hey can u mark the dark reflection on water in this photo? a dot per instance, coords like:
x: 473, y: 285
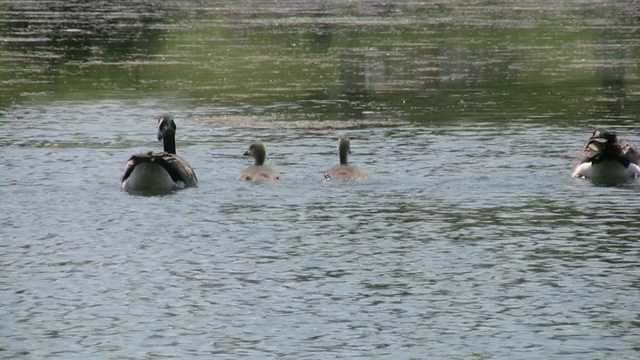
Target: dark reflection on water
x: 466, y: 240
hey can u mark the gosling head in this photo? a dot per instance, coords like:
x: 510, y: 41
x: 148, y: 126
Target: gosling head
x: 258, y: 151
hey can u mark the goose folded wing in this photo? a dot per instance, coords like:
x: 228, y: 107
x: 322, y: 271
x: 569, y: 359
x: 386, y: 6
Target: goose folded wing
x: 178, y: 168
x: 630, y: 152
x: 593, y: 149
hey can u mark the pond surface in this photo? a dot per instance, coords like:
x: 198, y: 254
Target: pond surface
x: 467, y: 239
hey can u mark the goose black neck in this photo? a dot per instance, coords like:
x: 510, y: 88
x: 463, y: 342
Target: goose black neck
x: 343, y: 152
x: 169, y: 142
x: 343, y: 158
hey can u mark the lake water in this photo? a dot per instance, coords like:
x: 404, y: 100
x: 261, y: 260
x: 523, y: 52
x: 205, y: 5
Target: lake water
x: 467, y: 239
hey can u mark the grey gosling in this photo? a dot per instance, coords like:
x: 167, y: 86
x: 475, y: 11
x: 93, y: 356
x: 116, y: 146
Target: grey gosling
x: 159, y: 171
x: 258, y: 171
x: 343, y: 171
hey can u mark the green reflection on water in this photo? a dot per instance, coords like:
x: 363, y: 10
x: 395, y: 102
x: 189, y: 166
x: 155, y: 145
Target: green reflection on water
x: 429, y: 62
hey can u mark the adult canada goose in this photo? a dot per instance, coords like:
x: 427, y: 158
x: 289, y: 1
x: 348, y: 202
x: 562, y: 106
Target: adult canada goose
x: 258, y: 171
x: 156, y: 170
x: 604, y: 158
x: 343, y: 171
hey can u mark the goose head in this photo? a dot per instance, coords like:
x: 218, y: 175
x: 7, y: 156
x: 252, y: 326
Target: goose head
x: 258, y: 151
x: 167, y: 132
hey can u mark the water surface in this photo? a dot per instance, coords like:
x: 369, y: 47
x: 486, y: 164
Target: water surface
x: 467, y: 239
